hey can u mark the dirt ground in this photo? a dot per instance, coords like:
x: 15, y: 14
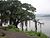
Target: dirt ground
x: 15, y: 34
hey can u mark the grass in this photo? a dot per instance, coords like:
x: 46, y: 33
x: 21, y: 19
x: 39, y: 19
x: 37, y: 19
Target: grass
x: 37, y: 34
x: 12, y: 28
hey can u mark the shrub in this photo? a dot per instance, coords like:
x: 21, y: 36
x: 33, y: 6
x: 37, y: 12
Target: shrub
x: 12, y: 28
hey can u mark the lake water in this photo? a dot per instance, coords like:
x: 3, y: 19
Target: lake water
x: 46, y: 26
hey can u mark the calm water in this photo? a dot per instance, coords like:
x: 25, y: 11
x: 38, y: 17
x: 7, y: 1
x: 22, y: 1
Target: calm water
x: 46, y: 26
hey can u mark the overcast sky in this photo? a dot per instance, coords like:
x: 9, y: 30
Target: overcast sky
x: 42, y: 6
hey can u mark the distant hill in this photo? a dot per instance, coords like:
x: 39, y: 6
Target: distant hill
x: 46, y: 16
x: 43, y: 15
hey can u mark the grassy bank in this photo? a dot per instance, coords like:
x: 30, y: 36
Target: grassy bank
x: 29, y: 33
x: 37, y: 34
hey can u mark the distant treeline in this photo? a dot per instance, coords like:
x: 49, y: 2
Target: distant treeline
x: 43, y: 15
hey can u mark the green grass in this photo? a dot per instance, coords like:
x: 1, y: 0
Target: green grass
x: 12, y: 28
x: 37, y: 34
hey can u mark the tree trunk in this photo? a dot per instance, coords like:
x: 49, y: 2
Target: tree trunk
x: 35, y: 26
x: 10, y: 21
x: 16, y: 23
x: 26, y: 25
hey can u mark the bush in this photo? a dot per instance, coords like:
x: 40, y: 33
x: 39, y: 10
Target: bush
x: 12, y: 28
x: 38, y: 34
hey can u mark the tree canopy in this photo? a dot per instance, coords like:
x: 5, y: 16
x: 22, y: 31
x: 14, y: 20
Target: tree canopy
x: 14, y: 9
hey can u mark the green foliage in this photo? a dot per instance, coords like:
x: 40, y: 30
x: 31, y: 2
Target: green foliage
x: 12, y: 28
x: 13, y: 9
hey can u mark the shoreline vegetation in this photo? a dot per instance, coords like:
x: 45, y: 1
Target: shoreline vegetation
x: 28, y: 33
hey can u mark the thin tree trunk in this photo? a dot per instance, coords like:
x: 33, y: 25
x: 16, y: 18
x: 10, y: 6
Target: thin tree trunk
x: 10, y: 21
x: 35, y: 26
x: 26, y: 25
x: 16, y: 23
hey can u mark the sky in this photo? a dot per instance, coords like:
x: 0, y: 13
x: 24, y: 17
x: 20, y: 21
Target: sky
x: 42, y: 6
